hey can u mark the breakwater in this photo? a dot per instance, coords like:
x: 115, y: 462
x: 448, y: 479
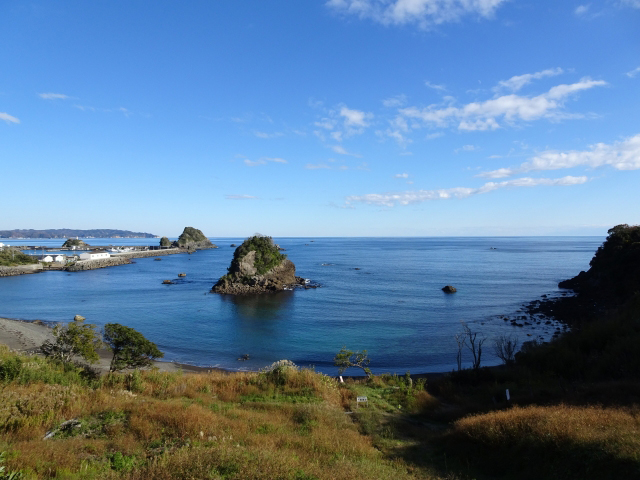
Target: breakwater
x: 94, y: 264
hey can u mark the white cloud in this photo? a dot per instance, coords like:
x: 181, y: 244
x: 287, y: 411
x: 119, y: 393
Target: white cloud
x: 440, y: 88
x: 624, y: 155
x: 394, y: 102
x: 263, y: 161
x: 268, y: 135
x: 516, y: 82
x: 240, y: 197
x: 420, y: 196
x: 510, y: 108
x: 53, y: 96
x: 319, y: 166
x: 355, y: 118
x: 339, y: 149
x: 424, y: 13
x: 8, y: 118
x: 401, y: 175
x: 633, y: 72
x: 631, y: 3
x: 466, y: 148
x: 582, y: 9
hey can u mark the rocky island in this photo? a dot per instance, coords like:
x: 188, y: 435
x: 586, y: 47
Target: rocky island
x: 192, y: 239
x: 258, y: 267
x: 74, y: 242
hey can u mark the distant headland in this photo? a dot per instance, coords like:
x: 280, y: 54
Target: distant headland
x: 70, y: 232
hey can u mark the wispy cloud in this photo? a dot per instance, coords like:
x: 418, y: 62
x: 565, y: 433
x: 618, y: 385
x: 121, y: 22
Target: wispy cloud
x: 394, y: 102
x: 424, y: 13
x: 516, y: 82
x: 53, y: 96
x: 339, y: 149
x: 624, y: 155
x: 263, y: 161
x: 633, y: 72
x: 8, y: 118
x: 506, y: 108
x: 466, y: 148
x: 342, y: 122
x: 401, y: 175
x: 268, y: 135
x: 433, y: 86
x: 631, y: 3
x: 582, y: 9
x: 317, y: 166
x: 240, y: 197
x: 420, y: 196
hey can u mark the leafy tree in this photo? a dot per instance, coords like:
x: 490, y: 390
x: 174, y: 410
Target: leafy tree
x: 130, y: 348
x: 75, y: 339
x: 348, y: 358
x: 165, y: 242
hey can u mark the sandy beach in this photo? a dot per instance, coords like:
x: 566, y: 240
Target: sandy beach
x: 25, y: 336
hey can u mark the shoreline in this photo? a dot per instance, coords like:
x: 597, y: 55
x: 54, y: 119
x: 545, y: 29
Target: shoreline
x: 25, y: 336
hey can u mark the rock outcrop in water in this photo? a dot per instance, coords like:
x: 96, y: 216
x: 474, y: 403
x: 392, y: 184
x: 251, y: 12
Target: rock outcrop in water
x: 193, y: 239
x: 258, y: 267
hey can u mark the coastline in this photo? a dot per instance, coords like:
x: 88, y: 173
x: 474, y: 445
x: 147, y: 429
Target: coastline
x: 26, y: 336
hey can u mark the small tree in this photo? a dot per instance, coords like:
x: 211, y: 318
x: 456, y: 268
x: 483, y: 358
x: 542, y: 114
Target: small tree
x: 505, y: 347
x: 130, y: 348
x: 74, y: 339
x: 461, y: 340
x: 165, y: 242
x: 348, y: 358
x: 474, y: 345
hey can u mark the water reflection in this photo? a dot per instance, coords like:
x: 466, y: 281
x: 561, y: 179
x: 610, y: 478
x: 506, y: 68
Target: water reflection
x: 268, y: 306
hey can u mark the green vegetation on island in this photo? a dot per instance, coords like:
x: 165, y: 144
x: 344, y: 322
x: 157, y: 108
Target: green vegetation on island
x: 257, y: 267
x: 191, y: 235
x: 165, y: 242
x: 267, y: 254
x: 74, y: 242
x: 11, y: 257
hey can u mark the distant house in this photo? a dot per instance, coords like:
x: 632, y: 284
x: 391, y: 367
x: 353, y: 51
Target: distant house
x: 94, y: 255
x: 1, y: 246
x: 53, y: 258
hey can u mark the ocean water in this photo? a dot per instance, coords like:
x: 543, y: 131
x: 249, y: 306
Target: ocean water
x: 379, y: 294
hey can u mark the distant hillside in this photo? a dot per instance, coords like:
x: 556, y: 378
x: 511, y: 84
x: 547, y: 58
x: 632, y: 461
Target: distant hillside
x: 68, y: 232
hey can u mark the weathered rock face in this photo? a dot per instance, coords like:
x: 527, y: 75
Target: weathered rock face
x: 193, y: 239
x: 258, y: 267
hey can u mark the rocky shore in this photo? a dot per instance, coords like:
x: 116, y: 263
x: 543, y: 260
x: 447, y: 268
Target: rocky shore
x: 20, y: 270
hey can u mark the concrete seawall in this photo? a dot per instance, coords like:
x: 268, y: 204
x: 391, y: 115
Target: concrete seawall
x: 94, y: 264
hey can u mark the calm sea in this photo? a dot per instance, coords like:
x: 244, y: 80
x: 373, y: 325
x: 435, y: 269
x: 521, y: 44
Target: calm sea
x: 379, y: 294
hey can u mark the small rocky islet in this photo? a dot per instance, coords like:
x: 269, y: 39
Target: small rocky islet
x: 258, y: 267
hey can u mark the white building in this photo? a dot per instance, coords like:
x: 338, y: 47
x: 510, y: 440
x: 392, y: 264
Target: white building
x: 95, y: 255
x: 54, y: 258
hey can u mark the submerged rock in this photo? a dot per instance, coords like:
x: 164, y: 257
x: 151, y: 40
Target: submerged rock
x: 258, y: 267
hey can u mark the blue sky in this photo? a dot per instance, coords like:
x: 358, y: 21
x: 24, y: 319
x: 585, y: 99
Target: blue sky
x: 321, y: 118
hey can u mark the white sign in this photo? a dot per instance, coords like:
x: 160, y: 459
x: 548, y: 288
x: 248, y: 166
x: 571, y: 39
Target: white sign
x: 508, y: 396
x: 362, y: 400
